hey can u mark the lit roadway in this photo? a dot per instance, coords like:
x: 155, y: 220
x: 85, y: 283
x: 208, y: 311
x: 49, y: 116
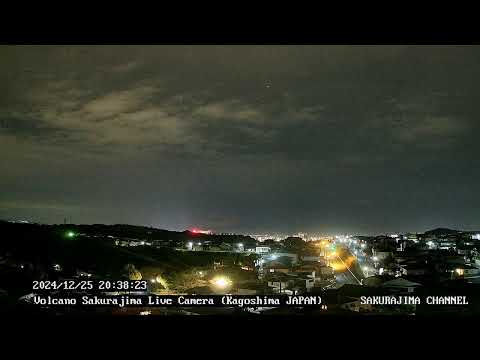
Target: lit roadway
x: 351, y: 272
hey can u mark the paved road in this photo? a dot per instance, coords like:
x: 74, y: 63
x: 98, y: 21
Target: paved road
x: 353, y: 273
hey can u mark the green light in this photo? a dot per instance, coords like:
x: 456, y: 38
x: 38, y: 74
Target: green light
x: 70, y: 234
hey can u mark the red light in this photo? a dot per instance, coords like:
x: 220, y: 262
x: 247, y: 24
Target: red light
x: 197, y: 231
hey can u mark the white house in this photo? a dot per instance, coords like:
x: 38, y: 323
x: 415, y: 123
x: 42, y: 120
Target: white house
x: 262, y: 249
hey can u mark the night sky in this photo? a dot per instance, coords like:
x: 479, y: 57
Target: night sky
x: 357, y: 139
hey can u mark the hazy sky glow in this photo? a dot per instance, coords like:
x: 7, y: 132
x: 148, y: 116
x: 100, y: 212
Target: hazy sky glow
x: 361, y: 139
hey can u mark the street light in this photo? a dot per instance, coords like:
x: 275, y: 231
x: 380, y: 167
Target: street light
x: 332, y: 254
x: 222, y: 282
x: 365, y: 270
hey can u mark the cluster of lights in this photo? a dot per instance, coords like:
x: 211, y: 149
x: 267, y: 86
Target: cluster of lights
x: 322, y: 237
x: 263, y: 237
x: 322, y: 243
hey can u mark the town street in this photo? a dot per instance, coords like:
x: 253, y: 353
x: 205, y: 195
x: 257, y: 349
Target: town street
x: 348, y: 270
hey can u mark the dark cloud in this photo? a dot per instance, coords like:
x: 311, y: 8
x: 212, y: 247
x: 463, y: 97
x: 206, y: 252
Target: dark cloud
x: 242, y: 138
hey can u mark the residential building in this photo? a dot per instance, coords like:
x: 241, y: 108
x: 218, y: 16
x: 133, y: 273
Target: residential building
x: 401, y: 285
x: 262, y: 250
